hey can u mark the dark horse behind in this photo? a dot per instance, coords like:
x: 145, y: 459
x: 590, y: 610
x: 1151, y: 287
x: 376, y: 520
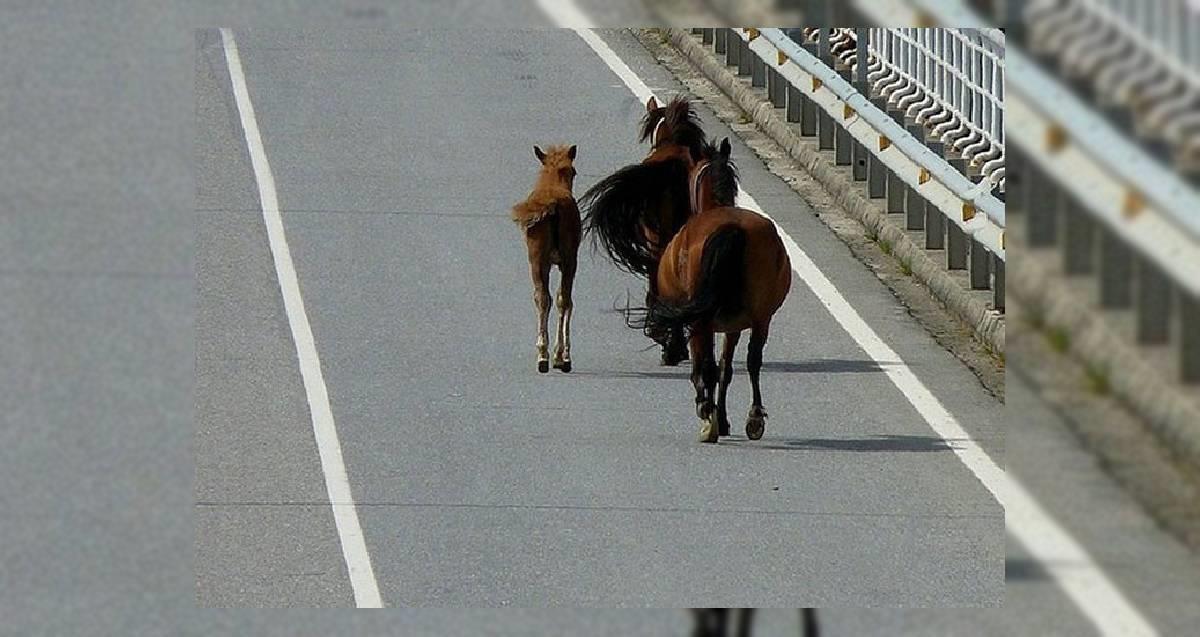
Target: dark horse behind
x: 634, y: 212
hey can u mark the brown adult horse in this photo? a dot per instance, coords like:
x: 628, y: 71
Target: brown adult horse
x: 550, y: 219
x: 726, y: 270
x: 635, y: 211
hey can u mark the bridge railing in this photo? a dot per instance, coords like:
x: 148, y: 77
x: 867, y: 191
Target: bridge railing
x: 803, y: 73
x: 1103, y: 145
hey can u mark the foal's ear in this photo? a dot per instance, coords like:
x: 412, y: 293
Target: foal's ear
x: 725, y: 148
x: 571, y: 152
x: 651, y: 104
x: 540, y: 155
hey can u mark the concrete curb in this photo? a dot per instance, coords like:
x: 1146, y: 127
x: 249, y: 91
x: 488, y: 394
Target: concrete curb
x: 846, y: 193
x: 1173, y: 419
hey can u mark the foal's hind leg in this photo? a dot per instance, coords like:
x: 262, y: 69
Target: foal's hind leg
x: 562, y: 351
x: 728, y: 346
x: 704, y: 379
x: 540, y: 270
x: 756, y: 423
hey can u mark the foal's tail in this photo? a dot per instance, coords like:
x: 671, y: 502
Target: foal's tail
x: 718, y: 289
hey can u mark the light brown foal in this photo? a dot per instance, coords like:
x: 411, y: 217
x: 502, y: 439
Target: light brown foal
x: 550, y: 219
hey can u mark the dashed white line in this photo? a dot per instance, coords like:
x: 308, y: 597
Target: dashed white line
x: 337, y: 484
x: 1072, y: 568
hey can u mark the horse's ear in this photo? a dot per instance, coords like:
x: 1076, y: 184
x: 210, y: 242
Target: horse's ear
x: 571, y: 152
x: 540, y: 155
x: 651, y: 104
x: 725, y: 148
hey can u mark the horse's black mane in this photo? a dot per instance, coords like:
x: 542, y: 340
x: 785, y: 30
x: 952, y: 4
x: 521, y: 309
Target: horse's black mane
x: 681, y: 120
x: 723, y: 175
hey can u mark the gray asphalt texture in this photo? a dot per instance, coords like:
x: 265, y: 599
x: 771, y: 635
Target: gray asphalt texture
x: 480, y: 482
x: 100, y: 332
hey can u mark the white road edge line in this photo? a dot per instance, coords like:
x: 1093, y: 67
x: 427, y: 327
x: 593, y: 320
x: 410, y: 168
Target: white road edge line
x: 345, y: 514
x: 1072, y: 568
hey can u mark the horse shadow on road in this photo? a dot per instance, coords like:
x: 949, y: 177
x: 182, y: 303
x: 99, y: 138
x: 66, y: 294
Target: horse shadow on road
x: 888, y: 443
x: 815, y: 366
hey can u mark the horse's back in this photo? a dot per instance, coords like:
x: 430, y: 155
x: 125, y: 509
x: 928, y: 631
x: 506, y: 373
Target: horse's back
x: 768, y: 271
x: 552, y: 227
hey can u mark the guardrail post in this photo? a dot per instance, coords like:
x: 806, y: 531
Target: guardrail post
x: 1078, y: 246
x: 843, y: 154
x: 1044, y: 202
x: 1014, y: 178
x: 895, y: 191
x: 935, y: 228
x: 997, y: 283
x: 794, y: 105
x: 758, y: 69
x: 980, y: 273
x: 876, y: 177
x: 776, y: 88
x: 720, y: 40
x: 825, y: 126
x: 1154, y: 304
x: 1116, y: 272
x: 733, y: 48
x: 858, y: 158
x: 1189, y: 345
x: 706, y: 36
x: 956, y: 247
x: 746, y: 57
x: 808, y: 116
x: 914, y: 206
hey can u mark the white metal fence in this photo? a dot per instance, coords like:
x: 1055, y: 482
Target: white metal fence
x: 1139, y: 55
x: 951, y: 81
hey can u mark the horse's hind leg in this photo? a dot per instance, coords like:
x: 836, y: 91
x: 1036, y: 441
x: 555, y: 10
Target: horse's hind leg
x: 728, y: 346
x: 540, y: 270
x: 562, y: 351
x: 756, y: 423
x: 704, y: 379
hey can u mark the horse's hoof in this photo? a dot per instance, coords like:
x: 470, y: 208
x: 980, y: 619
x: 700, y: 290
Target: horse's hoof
x: 543, y: 366
x: 709, y: 431
x: 723, y: 425
x: 755, y: 428
x: 565, y: 366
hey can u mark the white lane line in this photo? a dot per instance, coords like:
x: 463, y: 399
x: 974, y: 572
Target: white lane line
x: 1073, y: 569
x: 337, y: 484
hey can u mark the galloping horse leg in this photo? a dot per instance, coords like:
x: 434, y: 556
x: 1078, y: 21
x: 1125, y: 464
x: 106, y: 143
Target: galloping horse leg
x: 540, y: 269
x: 704, y: 379
x: 757, y: 421
x: 745, y: 618
x: 562, y: 351
x: 710, y: 622
x: 729, y: 344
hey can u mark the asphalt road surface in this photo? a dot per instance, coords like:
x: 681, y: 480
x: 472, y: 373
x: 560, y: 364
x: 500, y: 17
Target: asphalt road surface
x: 101, y: 293
x: 478, y: 481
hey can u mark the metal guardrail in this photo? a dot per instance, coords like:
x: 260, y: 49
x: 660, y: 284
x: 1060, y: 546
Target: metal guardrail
x: 1090, y: 190
x: 962, y: 218
x: 950, y: 80
x: 917, y: 165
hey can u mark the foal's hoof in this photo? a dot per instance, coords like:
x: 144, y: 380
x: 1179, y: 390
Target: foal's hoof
x: 543, y: 366
x: 755, y: 426
x: 565, y: 366
x: 709, y: 430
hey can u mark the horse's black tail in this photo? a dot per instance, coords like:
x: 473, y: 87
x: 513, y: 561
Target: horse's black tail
x: 620, y: 204
x: 718, y: 292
